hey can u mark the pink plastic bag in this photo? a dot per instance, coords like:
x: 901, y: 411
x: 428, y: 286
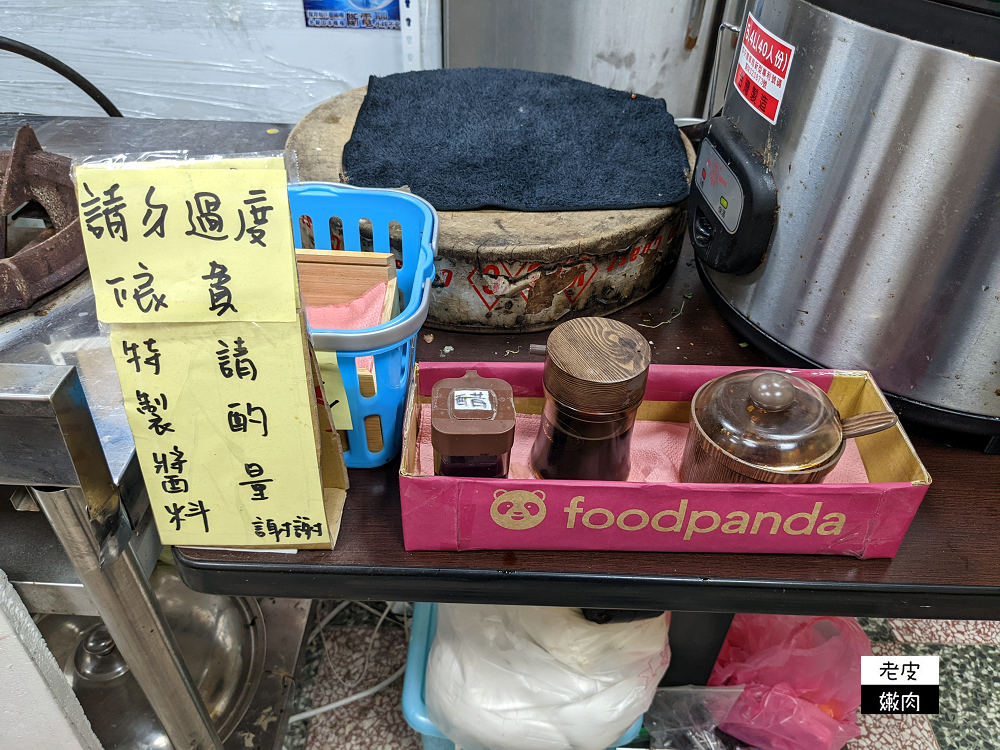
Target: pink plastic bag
x: 802, y: 678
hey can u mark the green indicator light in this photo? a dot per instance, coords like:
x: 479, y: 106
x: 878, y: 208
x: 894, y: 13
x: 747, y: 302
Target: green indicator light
x: 724, y: 202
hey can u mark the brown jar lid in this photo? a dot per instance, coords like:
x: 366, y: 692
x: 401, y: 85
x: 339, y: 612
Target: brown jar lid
x: 596, y: 365
x: 472, y: 416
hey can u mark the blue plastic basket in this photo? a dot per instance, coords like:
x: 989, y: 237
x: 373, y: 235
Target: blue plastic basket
x: 422, y: 632
x: 392, y: 344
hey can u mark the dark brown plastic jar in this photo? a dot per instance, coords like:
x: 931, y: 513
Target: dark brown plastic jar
x: 472, y: 426
x: 594, y: 379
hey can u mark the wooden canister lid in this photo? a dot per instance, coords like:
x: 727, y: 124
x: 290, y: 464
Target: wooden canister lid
x: 596, y: 365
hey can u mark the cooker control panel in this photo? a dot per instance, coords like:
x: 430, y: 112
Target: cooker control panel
x: 734, y: 205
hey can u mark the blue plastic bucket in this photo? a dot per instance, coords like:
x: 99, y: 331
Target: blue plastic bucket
x: 392, y: 345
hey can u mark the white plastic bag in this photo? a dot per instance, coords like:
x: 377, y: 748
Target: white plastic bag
x: 540, y: 678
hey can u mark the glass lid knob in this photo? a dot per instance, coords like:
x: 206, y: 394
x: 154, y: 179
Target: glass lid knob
x: 772, y: 391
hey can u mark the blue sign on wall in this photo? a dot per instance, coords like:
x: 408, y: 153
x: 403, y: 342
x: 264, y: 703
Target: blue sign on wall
x: 352, y: 14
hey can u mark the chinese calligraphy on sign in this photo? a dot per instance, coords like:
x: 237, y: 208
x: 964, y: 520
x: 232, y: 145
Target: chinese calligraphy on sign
x: 151, y: 232
x: 193, y: 266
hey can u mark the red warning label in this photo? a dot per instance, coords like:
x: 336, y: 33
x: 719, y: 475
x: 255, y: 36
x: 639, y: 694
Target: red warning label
x: 763, y: 69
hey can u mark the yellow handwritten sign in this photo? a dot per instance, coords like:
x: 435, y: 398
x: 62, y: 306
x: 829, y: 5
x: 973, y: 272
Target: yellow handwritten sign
x: 211, y: 350
x: 220, y: 415
x: 168, y: 242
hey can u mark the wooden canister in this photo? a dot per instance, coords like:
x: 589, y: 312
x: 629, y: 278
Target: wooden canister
x: 594, y: 380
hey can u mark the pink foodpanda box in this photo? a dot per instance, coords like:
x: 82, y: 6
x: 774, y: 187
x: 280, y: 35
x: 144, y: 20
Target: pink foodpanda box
x: 862, y: 508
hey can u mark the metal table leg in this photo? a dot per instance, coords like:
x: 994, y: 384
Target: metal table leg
x: 49, y: 443
x: 695, y: 640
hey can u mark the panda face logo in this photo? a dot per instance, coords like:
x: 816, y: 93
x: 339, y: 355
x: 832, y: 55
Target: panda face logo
x: 518, y: 509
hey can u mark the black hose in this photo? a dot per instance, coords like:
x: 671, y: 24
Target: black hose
x: 26, y: 50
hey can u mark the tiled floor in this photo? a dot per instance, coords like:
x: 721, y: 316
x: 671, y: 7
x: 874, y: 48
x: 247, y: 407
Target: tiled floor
x: 338, y: 670
x: 970, y: 686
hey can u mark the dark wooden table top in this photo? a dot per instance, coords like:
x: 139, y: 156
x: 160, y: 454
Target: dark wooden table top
x: 948, y: 565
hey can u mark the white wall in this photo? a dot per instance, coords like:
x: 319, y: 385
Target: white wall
x: 199, y: 59
x: 38, y: 710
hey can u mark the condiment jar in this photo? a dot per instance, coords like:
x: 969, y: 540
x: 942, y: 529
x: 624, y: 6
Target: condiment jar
x: 594, y: 380
x: 768, y: 426
x: 472, y: 426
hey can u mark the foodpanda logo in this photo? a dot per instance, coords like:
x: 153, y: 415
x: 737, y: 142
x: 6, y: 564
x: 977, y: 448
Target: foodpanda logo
x: 518, y: 509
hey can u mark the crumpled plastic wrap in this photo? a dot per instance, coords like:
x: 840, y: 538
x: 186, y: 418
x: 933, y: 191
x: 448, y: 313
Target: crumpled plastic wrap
x: 685, y: 718
x: 802, y: 678
x: 540, y: 678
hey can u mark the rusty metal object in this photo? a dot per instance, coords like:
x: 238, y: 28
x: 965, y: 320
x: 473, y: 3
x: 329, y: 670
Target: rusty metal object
x: 56, y: 255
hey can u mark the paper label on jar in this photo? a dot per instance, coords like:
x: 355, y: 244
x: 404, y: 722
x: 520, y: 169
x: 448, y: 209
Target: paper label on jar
x: 763, y: 69
x: 472, y: 400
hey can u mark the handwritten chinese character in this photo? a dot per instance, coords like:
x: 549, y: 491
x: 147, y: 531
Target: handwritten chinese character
x: 161, y: 462
x: 219, y: 295
x: 144, y: 290
x: 472, y: 400
x: 157, y: 226
x: 245, y: 368
x: 278, y: 529
x: 259, y: 216
x: 120, y: 294
x: 175, y: 512
x: 303, y: 527
x: 177, y: 464
x: 258, y: 527
x: 152, y: 407
x: 194, y: 510
x: 153, y: 359
x: 911, y: 701
x: 909, y: 670
x: 210, y: 222
x: 257, y: 485
x: 172, y: 484
x: 239, y: 422
x: 91, y: 210
x: 113, y: 205
x: 132, y: 349
x: 140, y: 293
x: 225, y: 361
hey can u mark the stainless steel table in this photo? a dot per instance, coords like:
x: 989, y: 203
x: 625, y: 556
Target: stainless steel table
x: 66, y: 448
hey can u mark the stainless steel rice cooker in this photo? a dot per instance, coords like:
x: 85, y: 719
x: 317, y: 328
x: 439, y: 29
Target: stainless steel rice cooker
x: 847, y: 203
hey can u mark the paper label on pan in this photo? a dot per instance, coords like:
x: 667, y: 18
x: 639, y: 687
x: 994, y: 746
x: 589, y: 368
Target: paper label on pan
x: 762, y: 70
